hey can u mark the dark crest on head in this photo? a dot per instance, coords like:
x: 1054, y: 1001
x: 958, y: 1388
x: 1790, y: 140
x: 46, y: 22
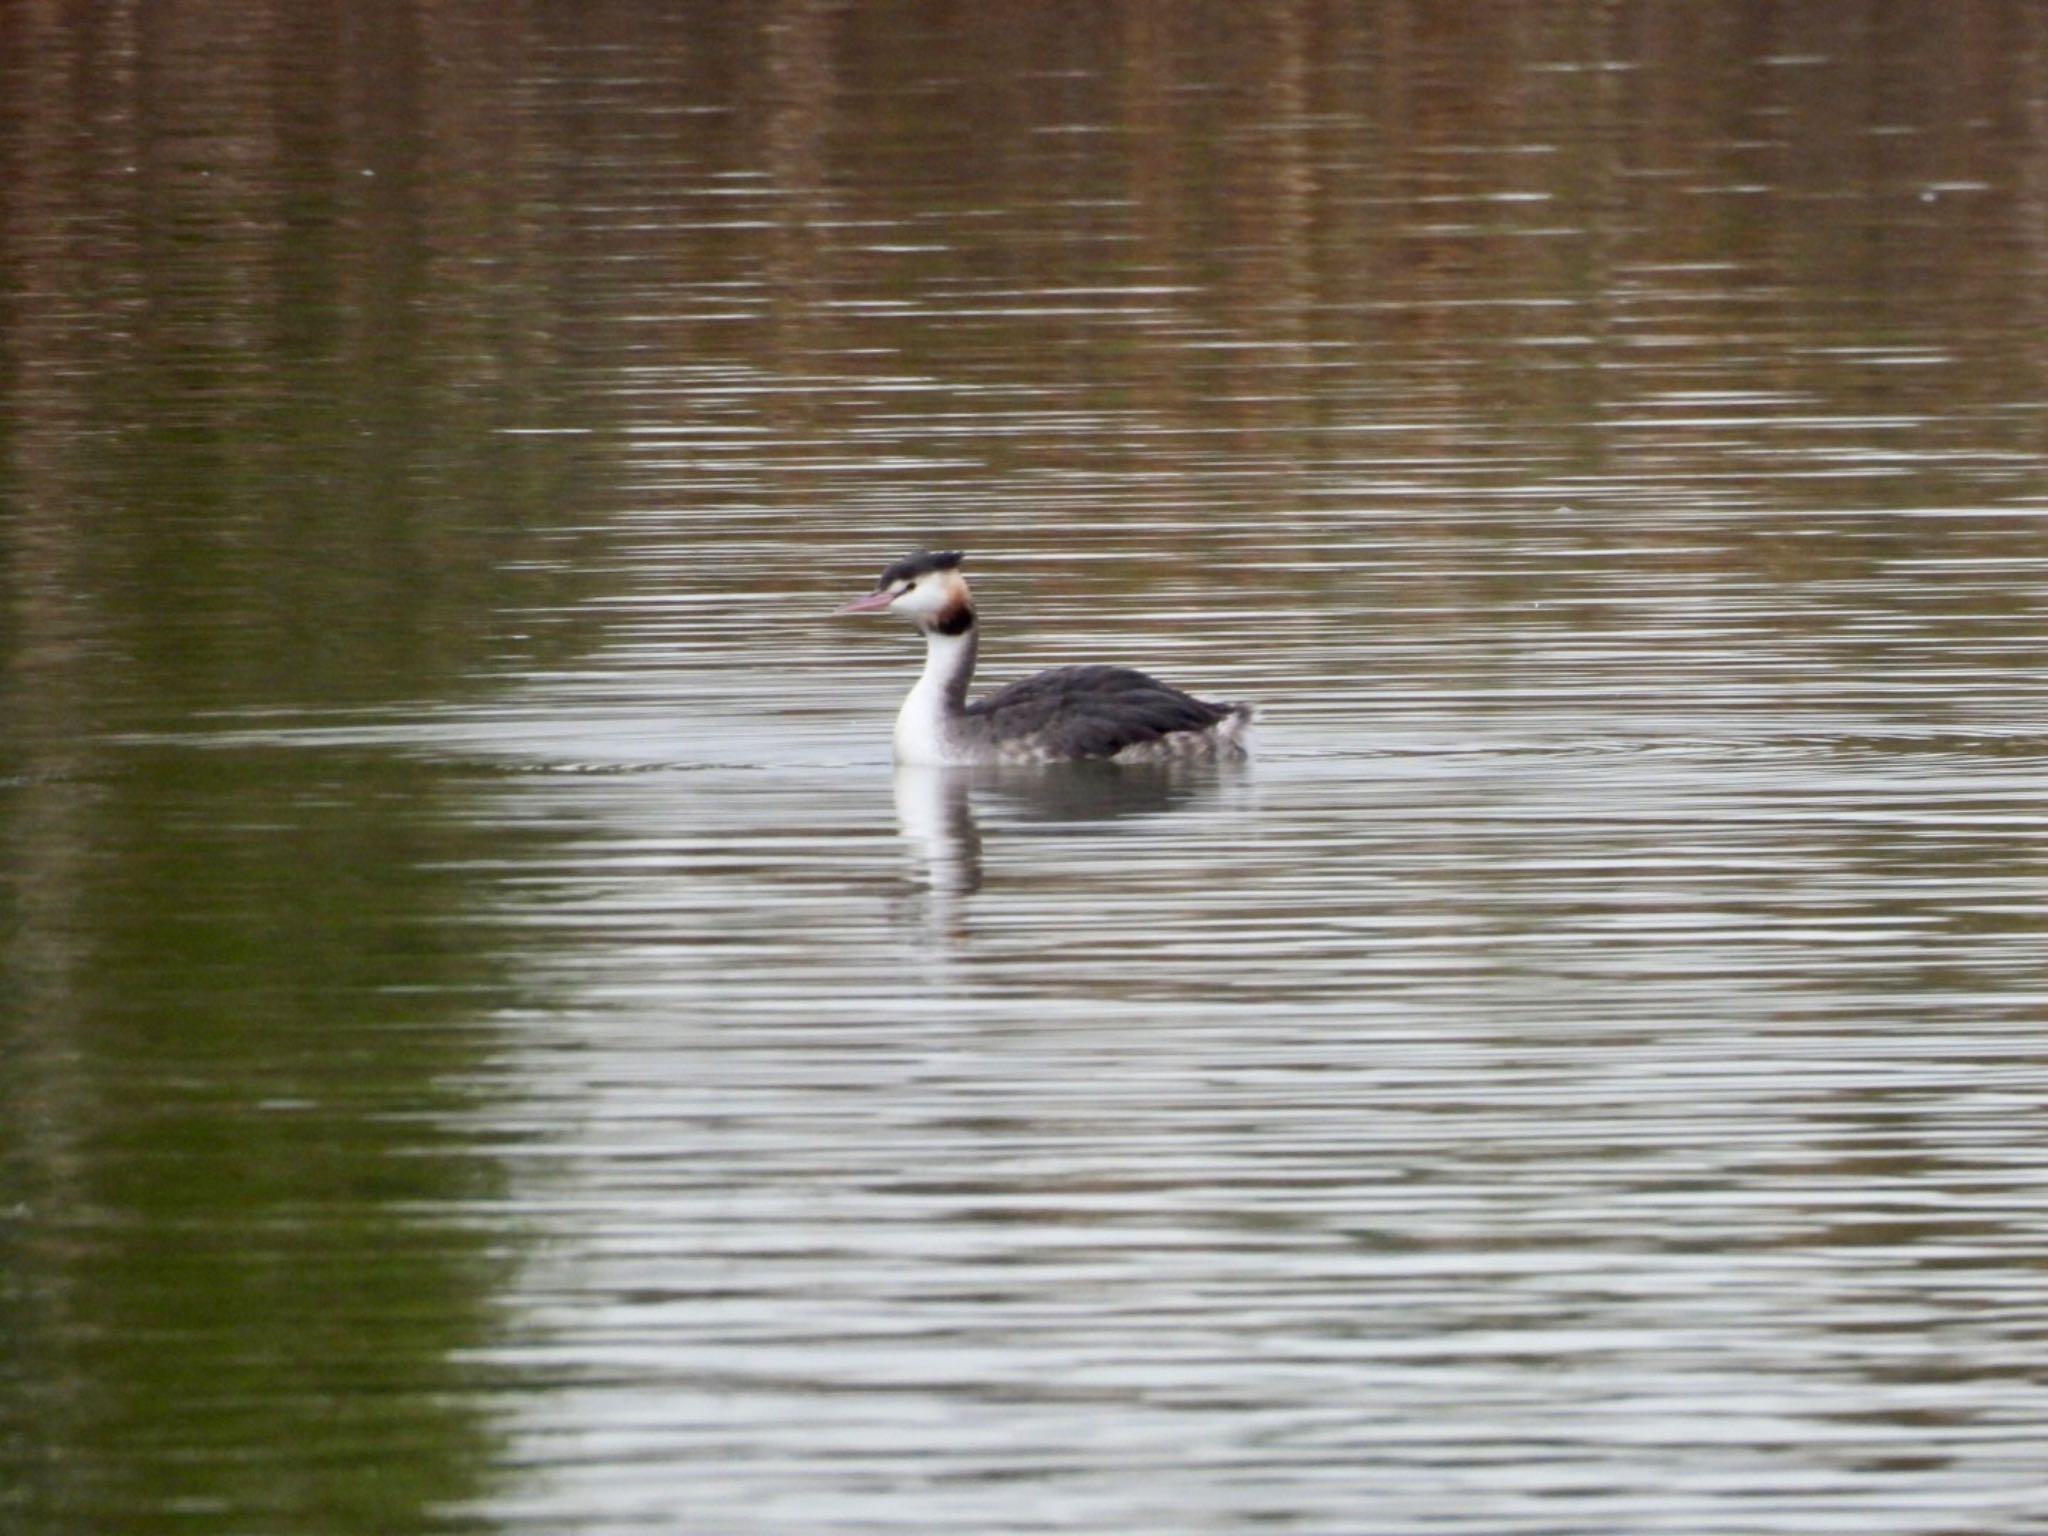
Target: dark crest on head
x: 910, y: 567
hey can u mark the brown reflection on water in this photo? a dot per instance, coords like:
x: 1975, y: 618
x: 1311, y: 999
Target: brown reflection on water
x: 1414, y: 244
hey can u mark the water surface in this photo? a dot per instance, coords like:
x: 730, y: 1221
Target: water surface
x: 490, y: 1042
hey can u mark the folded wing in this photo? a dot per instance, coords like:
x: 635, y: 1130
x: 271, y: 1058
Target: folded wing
x: 1088, y: 712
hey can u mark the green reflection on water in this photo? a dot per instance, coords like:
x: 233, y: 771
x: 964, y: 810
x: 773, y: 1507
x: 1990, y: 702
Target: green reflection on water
x: 235, y: 1281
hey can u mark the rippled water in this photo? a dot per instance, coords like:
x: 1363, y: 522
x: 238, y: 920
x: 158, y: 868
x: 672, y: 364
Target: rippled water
x: 492, y: 1044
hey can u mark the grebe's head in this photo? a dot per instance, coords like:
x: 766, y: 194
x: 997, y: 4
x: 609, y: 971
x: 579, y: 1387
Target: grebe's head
x: 925, y: 586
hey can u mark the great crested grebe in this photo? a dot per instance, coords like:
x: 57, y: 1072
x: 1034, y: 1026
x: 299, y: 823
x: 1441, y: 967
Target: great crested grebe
x: 1069, y: 714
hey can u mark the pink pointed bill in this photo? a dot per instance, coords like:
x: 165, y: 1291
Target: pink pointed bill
x: 869, y: 604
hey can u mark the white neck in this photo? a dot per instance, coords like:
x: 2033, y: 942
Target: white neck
x: 923, y: 725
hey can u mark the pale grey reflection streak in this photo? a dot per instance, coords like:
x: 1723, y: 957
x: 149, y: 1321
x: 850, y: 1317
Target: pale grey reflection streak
x: 1512, y: 1137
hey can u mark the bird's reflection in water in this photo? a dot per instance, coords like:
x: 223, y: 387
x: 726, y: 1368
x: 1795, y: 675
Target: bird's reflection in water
x: 935, y: 807
x: 936, y: 817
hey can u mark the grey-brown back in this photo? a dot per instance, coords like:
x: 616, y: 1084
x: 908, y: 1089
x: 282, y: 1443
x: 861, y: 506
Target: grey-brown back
x: 1089, y: 712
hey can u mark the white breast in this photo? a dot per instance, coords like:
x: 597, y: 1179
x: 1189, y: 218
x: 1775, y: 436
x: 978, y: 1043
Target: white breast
x: 921, y: 726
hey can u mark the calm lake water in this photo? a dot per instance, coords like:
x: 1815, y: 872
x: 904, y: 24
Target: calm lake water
x: 489, y: 1043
